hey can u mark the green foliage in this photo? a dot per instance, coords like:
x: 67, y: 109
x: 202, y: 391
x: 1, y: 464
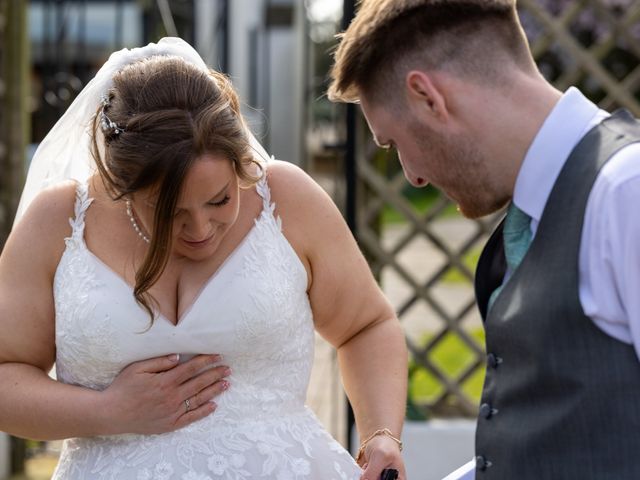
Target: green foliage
x: 452, y: 356
x: 470, y: 260
x: 421, y: 199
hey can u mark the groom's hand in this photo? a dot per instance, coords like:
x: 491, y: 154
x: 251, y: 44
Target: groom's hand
x: 160, y: 394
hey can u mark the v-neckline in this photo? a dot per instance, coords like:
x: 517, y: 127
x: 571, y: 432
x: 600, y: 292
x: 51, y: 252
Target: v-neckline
x: 205, y: 285
x: 266, y: 210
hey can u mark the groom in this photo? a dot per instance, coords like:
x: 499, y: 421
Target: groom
x: 452, y: 85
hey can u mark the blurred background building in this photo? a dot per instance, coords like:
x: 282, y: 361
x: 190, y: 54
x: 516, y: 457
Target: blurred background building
x: 259, y: 43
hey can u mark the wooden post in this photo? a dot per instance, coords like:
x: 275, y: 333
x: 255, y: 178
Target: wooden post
x: 14, y: 115
x: 5, y: 456
x: 14, y: 118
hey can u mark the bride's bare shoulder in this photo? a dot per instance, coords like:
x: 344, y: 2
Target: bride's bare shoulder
x: 290, y: 184
x: 52, y: 206
x: 300, y: 200
x: 45, y: 223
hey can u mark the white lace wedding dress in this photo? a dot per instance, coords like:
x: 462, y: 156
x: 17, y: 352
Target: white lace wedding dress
x: 254, y: 311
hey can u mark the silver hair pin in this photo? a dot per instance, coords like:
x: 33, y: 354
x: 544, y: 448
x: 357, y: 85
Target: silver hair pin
x: 105, y: 122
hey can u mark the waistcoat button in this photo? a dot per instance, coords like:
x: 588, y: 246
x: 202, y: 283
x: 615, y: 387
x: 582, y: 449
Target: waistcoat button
x: 482, y: 463
x: 493, y: 360
x: 487, y: 411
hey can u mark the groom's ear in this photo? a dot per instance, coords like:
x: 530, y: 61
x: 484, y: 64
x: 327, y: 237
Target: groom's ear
x: 426, y: 96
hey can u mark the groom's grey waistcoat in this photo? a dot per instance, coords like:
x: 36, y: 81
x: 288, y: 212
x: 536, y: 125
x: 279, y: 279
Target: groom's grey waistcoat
x: 561, y: 399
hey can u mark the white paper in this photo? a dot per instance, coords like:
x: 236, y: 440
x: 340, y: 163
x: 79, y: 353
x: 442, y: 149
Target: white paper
x: 465, y: 472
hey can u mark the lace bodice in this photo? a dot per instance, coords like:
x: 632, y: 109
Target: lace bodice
x: 254, y: 311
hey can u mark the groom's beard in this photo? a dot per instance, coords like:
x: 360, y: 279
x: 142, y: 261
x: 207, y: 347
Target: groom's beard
x: 454, y: 165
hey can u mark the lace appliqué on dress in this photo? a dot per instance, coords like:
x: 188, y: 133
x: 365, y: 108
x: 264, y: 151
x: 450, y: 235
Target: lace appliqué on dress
x: 261, y: 428
x: 84, y: 350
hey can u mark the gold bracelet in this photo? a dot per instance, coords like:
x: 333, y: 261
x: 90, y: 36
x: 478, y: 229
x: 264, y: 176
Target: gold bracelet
x: 382, y: 431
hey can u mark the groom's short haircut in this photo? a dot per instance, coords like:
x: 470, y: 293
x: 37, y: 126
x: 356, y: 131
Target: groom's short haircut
x: 476, y: 39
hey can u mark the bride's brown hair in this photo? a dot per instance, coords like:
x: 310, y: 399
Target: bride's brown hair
x: 161, y: 114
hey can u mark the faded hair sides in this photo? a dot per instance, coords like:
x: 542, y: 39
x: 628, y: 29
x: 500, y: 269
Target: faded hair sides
x: 469, y: 37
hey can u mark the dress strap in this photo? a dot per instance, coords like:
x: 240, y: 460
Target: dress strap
x: 268, y: 208
x: 81, y: 205
x: 262, y: 187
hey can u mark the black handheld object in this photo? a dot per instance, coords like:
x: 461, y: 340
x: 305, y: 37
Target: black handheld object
x: 389, y: 474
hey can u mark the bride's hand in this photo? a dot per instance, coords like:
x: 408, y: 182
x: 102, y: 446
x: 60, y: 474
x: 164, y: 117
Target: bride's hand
x: 381, y: 452
x: 160, y: 395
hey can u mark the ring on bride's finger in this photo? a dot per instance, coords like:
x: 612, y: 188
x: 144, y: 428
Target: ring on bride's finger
x: 187, y: 405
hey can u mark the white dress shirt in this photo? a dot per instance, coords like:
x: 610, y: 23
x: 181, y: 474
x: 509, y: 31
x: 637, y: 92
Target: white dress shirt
x: 609, y: 262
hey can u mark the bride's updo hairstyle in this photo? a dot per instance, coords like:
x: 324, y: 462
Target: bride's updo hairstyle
x: 161, y: 114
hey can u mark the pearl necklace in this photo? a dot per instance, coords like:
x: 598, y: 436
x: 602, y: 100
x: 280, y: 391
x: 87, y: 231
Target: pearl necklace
x: 134, y: 224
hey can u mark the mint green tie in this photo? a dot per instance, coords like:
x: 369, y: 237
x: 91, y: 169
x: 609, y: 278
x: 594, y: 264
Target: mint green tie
x: 517, y: 238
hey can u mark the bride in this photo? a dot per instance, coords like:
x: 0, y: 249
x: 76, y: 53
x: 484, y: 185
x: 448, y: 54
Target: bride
x: 175, y: 278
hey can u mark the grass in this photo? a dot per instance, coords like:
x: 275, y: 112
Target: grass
x: 421, y: 199
x: 470, y: 260
x: 421, y: 204
x: 38, y: 468
x: 452, y: 356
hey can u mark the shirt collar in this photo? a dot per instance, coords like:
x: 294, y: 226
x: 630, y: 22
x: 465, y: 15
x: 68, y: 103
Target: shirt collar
x: 571, y: 118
